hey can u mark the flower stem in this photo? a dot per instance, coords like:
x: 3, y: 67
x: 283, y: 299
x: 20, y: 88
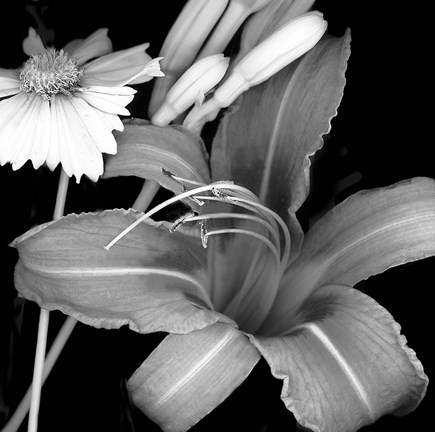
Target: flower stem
x: 55, y: 350
x: 43, y: 321
x: 146, y: 195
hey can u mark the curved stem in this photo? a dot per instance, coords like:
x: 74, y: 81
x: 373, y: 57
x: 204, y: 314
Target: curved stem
x: 55, y: 350
x: 43, y: 321
x: 146, y: 195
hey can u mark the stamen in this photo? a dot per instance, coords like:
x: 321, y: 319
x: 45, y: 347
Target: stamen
x: 241, y: 216
x: 178, y: 179
x: 236, y: 200
x: 226, y: 190
x: 49, y: 73
x: 204, y: 234
x: 260, y: 237
x: 180, y: 221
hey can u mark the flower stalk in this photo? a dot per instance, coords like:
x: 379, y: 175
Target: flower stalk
x: 44, y: 321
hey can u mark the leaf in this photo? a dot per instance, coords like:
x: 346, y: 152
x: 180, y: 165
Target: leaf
x: 265, y: 140
x: 187, y: 376
x: 364, y: 235
x: 143, y: 149
x: 346, y: 363
x: 150, y: 279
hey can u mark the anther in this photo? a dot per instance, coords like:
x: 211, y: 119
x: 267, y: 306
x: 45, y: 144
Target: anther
x: 204, y: 238
x: 181, y: 220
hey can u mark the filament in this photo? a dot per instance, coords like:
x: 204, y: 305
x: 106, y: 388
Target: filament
x: 224, y: 192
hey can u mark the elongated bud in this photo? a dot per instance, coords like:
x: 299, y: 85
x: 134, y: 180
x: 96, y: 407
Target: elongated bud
x: 234, y: 16
x: 267, y: 20
x: 183, y: 42
x: 284, y: 46
x: 199, y: 79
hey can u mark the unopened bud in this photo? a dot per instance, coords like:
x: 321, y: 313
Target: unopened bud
x: 199, y: 79
x: 288, y: 43
x: 183, y: 42
x: 277, y: 51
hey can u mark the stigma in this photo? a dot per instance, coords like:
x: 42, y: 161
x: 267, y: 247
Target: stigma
x: 49, y: 73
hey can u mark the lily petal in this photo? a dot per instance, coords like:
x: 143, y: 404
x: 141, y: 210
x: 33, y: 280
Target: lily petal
x: 95, y: 45
x: 346, y: 364
x: 279, y: 124
x: 116, y: 69
x: 364, y: 235
x: 151, y: 279
x: 275, y: 127
x: 187, y: 376
x: 143, y: 149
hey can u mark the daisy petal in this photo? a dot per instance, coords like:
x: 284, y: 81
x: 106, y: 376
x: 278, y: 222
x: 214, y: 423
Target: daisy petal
x: 33, y: 136
x: 24, y: 131
x: 77, y: 144
x: 150, y: 70
x: 116, y: 69
x: 108, y: 99
x: 9, y: 82
x: 96, y: 127
x: 33, y: 44
x: 95, y: 45
x: 189, y: 375
x: 151, y: 279
x: 346, y: 364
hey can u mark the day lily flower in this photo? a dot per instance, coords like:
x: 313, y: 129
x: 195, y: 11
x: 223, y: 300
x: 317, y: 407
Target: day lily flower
x: 317, y: 333
x: 63, y: 104
x: 285, y: 45
x: 191, y: 87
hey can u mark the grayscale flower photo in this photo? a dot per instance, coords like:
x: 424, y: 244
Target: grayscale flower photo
x: 217, y: 215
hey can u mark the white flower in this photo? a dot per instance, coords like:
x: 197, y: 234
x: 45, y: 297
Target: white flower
x: 63, y: 104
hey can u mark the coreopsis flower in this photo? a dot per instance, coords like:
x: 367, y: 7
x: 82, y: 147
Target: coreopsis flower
x: 62, y: 105
x: 236, y: 279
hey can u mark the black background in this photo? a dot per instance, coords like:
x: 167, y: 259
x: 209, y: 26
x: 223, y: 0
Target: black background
x: 380, y: 136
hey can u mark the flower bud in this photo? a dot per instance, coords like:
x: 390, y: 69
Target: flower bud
x: 269, y: 19
x: 285, y: 45
x: 277, y: 51
x: 183, y: 42
x: 199, y: 79
x: 234, y: 16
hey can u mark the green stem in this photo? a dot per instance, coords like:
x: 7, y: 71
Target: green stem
x: 146, y: 195
x: 43, y: 322
x: 55, y: 350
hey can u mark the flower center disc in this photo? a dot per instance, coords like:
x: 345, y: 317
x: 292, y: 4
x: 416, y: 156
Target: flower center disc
x: 50, y: 73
